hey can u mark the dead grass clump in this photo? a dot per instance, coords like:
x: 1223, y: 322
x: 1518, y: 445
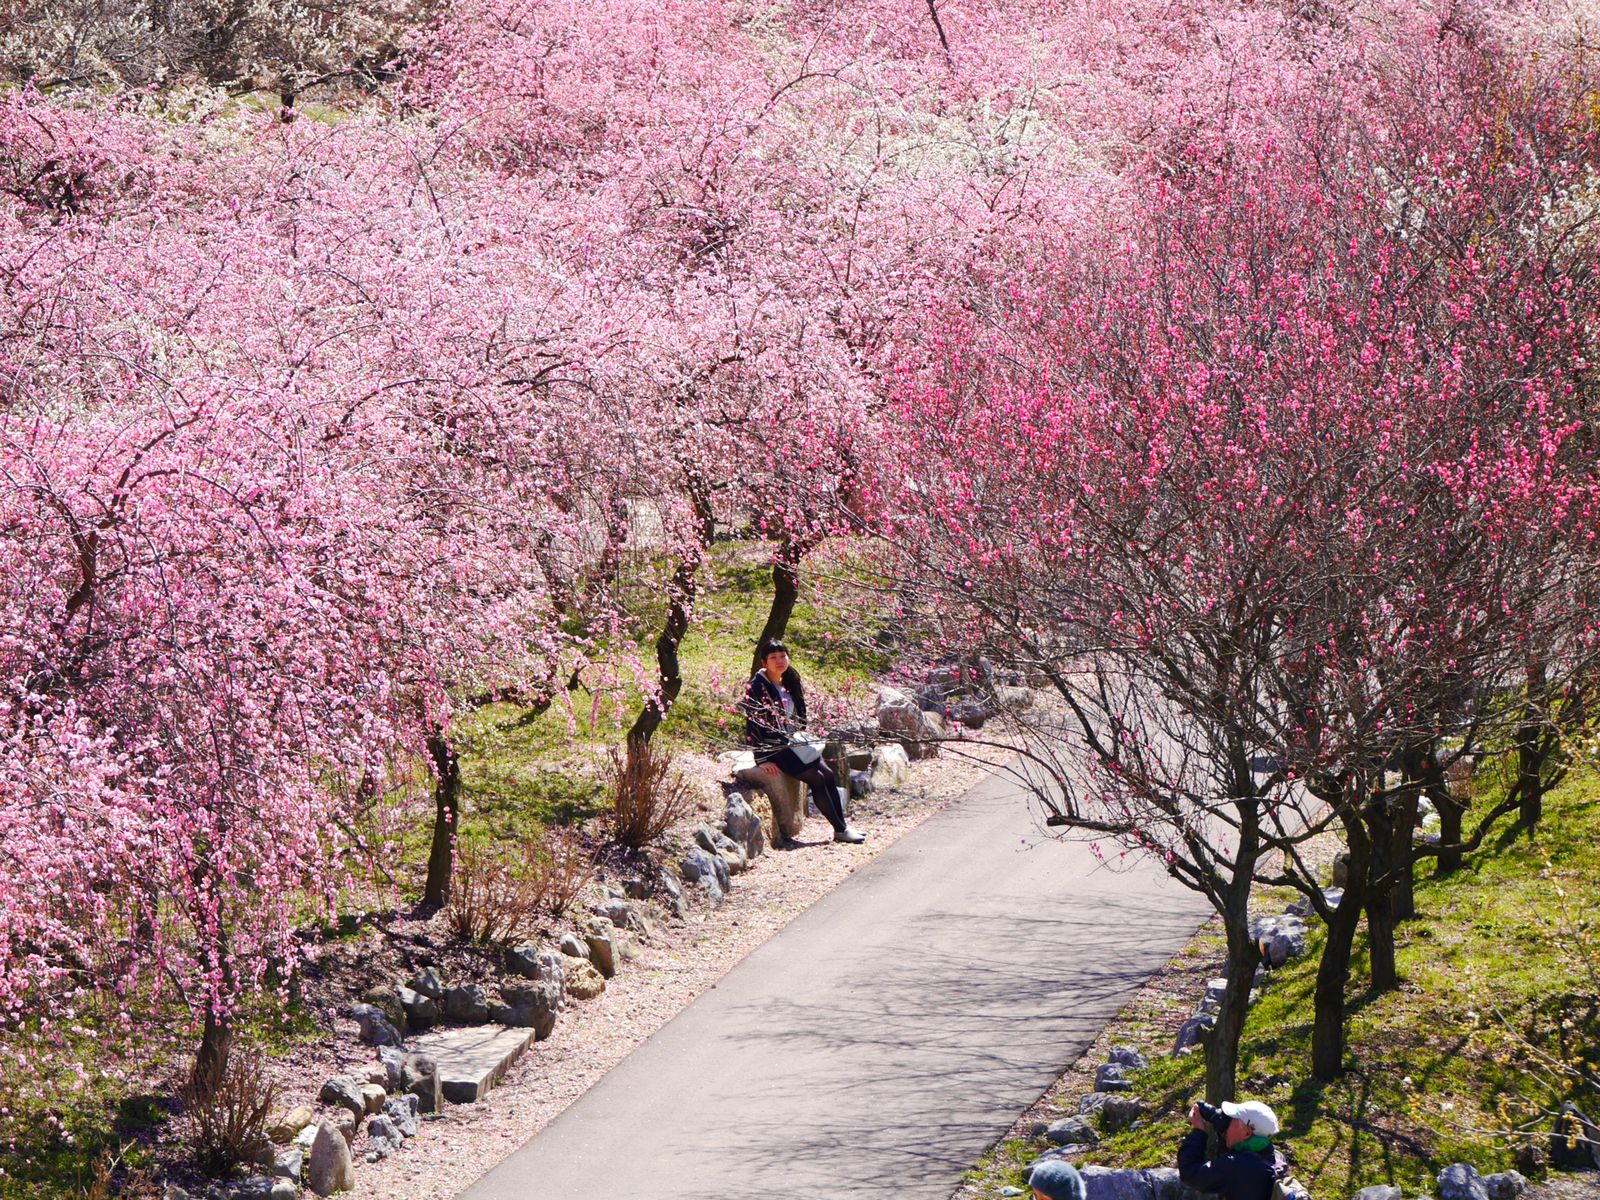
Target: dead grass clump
x: 648, y: 795
x: 228, y: 1112
x: 497, y: 896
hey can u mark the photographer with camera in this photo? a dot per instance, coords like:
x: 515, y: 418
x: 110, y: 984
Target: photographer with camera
x: 1250, y: 1168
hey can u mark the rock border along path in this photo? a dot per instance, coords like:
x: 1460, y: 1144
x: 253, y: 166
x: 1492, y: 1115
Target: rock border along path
x: 884, y: 1038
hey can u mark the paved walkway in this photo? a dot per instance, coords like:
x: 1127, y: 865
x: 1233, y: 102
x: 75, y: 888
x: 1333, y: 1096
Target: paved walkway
x: 884, y: 1038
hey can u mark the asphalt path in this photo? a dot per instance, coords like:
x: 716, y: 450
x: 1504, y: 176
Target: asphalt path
x: 881, y: 1041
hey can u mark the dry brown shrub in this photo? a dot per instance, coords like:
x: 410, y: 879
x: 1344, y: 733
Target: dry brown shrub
x: 568, y: 866
x: 497, y: 894
x: 228, y: 1112
x: 648, y: 795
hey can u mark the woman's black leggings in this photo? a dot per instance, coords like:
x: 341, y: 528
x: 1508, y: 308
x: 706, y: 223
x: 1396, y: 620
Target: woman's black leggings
x: 824, y: 785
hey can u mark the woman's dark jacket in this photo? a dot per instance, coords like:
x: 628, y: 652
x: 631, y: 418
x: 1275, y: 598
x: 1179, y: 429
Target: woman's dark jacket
x: 1237, y: 1175
x: 766, y: 725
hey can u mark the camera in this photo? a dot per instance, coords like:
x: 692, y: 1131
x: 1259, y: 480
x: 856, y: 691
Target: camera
x: 1214, y: 1117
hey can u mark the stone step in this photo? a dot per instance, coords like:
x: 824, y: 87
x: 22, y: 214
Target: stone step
x: 471, y: 1061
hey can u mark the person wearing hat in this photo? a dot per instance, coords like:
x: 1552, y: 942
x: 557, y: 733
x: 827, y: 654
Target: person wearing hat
x: 1249, y: 1166
x: 1056, y: 1180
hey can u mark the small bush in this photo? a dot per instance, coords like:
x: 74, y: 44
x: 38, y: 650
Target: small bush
x: 648, y: 796
x: 228, y: 1114
x: 567, y: 866
x: 496, y: 896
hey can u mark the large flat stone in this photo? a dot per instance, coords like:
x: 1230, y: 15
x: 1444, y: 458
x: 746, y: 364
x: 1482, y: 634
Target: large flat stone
x: 471, y: 1061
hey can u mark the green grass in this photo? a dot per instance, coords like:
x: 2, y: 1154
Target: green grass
x: 521, y: 768
x: 1498, y: 974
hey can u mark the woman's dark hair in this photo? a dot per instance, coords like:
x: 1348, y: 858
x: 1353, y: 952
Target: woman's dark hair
x: 769, y: 648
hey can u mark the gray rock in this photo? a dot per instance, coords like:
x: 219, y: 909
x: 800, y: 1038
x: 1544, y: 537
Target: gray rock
x: 710, y: 871
x: 430, y: 983
x: 421, y: 1012
x: 709, y: 840
x: 1093, y: 1102
x: 1280, y: 938
x: 419, y: 1076
x: 344, y: 1092
x: 282, y: 1189
x: 391, y: 1057
x: 383, y: 1138
x: 891, y: 767
x: 1109, y: 1079
x: 744, y: 826
x: 534, y: 1005
x: 402, y: 1110
x: 548, y: 969
x: 672, y: 895
x: 288, y: 1164
x: 1302, y: 906
x: 696, y: 865
x: 636, y: 887
x: 899, y: 715
x: 1341, y: 875
x: 1070, y: 1130
x: 861, y: 784
x: 972, y: 713
x: 1531, y: 1158
x: 1126, y: 1056
x: 1120, y: 1111
x: 376, y: 1028
x: 1193, y: 1032
x: 329, y: 1167
x: 1507, y: 1185
x: 1461, y: 1182
x: 602, y: 949
x: 468, y: 1004
x: 574, y: 946
x: 387, y: 1000
x: 1575, y: 1142
x: 499, y: 1013
x: 1378, y: 1191
x: 1009, y: 1191
x: 625, y: 916
x: 523, y: 960
x: 257, y: 1187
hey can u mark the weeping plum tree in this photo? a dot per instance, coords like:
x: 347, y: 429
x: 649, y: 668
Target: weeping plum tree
x: 1261, y: 485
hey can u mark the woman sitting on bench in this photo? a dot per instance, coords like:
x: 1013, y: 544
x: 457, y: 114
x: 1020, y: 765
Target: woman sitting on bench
x: 775, y: 710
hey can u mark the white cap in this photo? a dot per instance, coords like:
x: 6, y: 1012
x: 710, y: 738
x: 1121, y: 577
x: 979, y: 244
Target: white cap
x: 1256, y: 1115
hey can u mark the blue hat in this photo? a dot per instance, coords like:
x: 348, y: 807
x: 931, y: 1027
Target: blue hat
x: 1056, y: 1179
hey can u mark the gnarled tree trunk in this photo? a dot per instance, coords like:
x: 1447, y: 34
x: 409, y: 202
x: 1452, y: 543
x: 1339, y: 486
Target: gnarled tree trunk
x: 681, y: 593
x: 446, y: 817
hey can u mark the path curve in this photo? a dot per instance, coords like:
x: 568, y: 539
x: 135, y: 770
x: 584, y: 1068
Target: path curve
x: 884, y: 1038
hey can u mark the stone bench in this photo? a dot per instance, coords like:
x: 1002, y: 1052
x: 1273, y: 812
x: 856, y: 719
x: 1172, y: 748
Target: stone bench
x: 784, y: 812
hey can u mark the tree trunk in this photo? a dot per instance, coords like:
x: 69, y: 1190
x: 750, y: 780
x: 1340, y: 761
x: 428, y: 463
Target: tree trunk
x: 680, y: 602
x: 1531, y: 745
x: 1327, y: 1027
x: 1222, y: 1046
x: 1452, y: 812
x: 1333, y: 969
x: 446, y: 817
x: 1402, y: 847
x: 785, y: 591
x: 1380, y: 942
x: 211, y: 1059
x: 1384, y: 818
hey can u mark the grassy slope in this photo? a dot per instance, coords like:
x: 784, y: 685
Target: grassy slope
x: 1499, y: 971
x: 518, y: 768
